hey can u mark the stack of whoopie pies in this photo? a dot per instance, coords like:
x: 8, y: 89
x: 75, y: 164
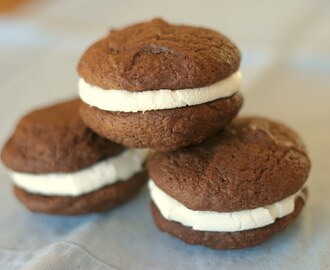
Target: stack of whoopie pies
x: 215, y: 181
x: 175, y: 89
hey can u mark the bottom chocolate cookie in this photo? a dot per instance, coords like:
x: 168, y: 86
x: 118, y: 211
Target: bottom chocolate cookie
x: 163, y: 130
x: 97, y: 201
x: 225, y: 240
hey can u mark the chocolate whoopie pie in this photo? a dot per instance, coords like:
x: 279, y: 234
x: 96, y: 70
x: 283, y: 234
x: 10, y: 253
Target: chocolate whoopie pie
x: 59, y: 166
x: 160, y: 86
x: 235, y: 190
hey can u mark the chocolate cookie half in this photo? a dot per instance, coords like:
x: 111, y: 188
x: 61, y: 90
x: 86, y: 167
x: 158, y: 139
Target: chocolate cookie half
x: 235, y: 190
x: 59, y: 166
x: 159, y: 85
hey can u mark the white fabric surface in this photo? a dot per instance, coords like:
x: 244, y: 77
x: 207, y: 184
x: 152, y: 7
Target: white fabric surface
x: 286, y: 76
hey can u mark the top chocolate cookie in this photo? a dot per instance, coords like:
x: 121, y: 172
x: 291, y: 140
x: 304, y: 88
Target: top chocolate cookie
x: 55, y: 139
x: 157, y: 55
x: 251, y: 163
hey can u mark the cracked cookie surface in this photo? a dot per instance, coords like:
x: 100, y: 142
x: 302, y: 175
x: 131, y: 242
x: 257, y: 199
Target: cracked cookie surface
x: 55, y: 139
x: 253, y: 162
x: 157, y: 55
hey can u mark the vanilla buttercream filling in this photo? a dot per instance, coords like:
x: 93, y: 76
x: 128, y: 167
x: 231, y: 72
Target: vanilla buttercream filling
x: 105, y: 172
x: 130, y: 101
x: 214, y: 221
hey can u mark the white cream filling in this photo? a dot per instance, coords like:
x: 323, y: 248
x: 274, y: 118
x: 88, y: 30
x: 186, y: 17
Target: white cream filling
x: 129, y: 101
x: 106, y: 172
x: 213, y: 221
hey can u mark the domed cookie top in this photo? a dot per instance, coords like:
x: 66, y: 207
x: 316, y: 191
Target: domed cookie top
x: 54, y: 139
x: 158, y: 55
x: 252, y: 163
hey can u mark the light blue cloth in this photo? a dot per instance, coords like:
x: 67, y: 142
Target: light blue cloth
x: 286, y: 68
